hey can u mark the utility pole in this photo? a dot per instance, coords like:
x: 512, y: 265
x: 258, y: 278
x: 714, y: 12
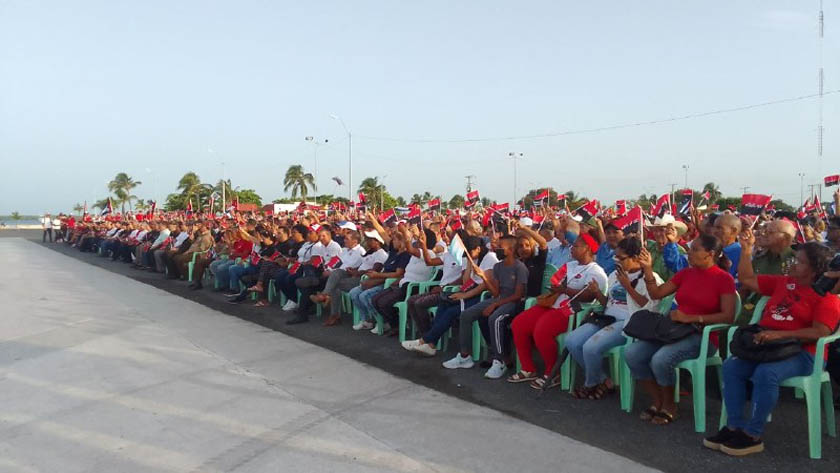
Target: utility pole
x: 672, y: 193
x: 514, y: 155
x: 469, y: 182
x: 745, y: 188
x: 685, y: 168
x: 801, y: 189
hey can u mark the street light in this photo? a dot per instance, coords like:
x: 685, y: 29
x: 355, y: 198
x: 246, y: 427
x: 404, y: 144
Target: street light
x: 685, y: 168
x: 381, y: 191
x: 514, y: 155
x: 349, y: 156
x: 316, y: 144
x: 801, y: 189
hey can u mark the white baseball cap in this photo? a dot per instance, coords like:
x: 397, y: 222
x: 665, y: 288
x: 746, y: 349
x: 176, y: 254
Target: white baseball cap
x: 527, y: 221
x: 348, y: 226
x: 375, y: 235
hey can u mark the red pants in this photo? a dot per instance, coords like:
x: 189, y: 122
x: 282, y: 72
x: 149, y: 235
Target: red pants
x: 542, y: 326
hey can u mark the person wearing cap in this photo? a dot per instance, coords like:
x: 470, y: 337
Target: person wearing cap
x: 580, y: 278
x: 393, y: 267
x: 338, y: 276
x: 608, y: 238
x: 565, y: 232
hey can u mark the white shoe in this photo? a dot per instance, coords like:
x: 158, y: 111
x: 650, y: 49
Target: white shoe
x: 363, y: 325
x: 459, y: 362
x: 496, y: 371
x: 385, y: 328
x: 410, y: 345
x: 290, y: 305
x: 425, y: 349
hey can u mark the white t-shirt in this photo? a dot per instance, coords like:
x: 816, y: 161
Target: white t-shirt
x: 452, y: 270
x: 56, y: 222
x: 619, y: 304
x: 370, y: 259
x: 180, y: 239
x: 578, y: 277
x: 416, y: 270
x: 305, y: 252
x: 351, y: 257
x: 46, y: 222
x: 490, y: 259
x: 328, y: 252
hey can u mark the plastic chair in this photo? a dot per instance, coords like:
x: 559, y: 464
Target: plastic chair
x: 697, y: 368
x: 191, y: 264
x: 402, y: 306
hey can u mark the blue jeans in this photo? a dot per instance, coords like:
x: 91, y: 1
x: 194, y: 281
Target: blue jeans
x: 220, y: 270
x: 443, y: 319
x: 765, y: 378
x: 652, y: 360
x: 237, y: 272
x: 362, y: 300
x: 587, y: 345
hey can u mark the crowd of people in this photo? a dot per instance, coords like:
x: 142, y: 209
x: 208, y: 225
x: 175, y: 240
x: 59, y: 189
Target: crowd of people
x: 522, y: 279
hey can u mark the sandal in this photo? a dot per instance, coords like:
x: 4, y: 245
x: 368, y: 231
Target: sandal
x: 663, y: 418
x: 600, y: 391
x: 583, y: 392
x: 649, y: 414
x: 261, y: 303
x: 522, y: 376
x: 538, y: 383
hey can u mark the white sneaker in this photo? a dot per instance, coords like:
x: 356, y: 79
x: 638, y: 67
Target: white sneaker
x: 425, y: 349
x: 496, y: 371
x: 385, y: 328
x: 363, y: 325
x: 459, y: 362
x: 290, y: 305
x: 410, y: 345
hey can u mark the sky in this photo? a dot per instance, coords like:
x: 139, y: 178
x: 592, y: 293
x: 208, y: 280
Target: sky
x: 159, y: 88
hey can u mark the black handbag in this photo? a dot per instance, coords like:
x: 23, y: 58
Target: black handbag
x: 744, y: 347
x: 654, y: 327
x: 599, y: 320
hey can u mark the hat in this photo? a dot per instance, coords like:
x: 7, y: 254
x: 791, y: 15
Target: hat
x: 375, y: 235
x: 348, y: 226
x: 527, y: 221
x: 590, y: 242
x: 669, y: 219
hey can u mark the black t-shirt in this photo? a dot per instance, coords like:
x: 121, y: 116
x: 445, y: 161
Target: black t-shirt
x: 536, y: 268
x: 395, y: 261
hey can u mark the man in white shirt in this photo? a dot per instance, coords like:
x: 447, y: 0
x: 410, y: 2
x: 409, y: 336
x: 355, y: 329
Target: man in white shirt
x: 347, y: 273
x: 46, y: 225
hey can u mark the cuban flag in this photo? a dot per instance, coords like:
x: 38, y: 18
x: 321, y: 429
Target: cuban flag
x: 108, y: 210
x: 687, y: 203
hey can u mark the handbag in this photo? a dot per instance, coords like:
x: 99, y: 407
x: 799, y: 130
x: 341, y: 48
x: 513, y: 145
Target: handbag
x: 654, y: 327
x: 744, y: 347
x: 599, y: 320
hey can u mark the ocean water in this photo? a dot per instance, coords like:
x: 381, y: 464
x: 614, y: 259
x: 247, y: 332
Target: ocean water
x: 11, y: 223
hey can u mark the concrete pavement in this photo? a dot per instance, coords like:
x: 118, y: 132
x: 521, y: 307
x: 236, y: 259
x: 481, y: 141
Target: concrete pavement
x: 102, y: 373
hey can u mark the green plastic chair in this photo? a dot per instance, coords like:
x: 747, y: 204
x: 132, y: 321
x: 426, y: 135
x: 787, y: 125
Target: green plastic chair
x: 697, y: 368
x: 413, y: 288
x: 443, y: 342
x: 816, y: 388
x: 191, y: 264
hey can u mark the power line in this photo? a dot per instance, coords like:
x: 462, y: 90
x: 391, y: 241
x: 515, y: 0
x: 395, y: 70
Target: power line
x: 606, y: 128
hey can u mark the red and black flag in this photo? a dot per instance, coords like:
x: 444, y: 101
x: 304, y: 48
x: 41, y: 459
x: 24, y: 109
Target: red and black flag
x: 588, y: 210
x: 754, y: 204
x: 662, y: 206
x: 152, y: 208
x: 541, y: 198
x: 631, y: 222
x: 500, y: 208
x: 361, y: 206
x: 434, y: 204
x: 686, y: 204
x: 387, y: 217
x: 706, y: 195
x: 832, y: 180
x: 189, y: 207
x: 455, y: 223
x: 413, y: 216
x: 620, y: 207
x: 472, y: 198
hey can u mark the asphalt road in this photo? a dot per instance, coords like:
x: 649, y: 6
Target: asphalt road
x: 597, y: 423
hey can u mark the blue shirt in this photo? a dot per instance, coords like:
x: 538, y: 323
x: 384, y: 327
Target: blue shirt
x: 733, y: 253
x: 605, y: 257
x: 559, y: 256
x: 674, y: 260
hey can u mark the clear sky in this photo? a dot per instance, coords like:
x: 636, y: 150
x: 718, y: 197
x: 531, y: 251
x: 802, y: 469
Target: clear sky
x: 92, y: 88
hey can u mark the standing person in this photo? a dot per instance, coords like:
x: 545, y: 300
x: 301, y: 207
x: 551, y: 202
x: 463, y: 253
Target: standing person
x: 47, y: 225
x: 794, y: 310
x: 705, y: 294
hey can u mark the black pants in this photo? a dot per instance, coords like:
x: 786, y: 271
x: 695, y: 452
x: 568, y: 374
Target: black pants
x: 833, y: 364
x: 385, y: 300
x: 47, y: 231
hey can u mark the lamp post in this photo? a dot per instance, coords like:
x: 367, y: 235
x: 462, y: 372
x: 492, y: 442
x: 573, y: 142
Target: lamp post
x: 316, y: 144
x: 514, y: 155
x: 349, y: 156
x: 801, y: 189
x: 685, y: 168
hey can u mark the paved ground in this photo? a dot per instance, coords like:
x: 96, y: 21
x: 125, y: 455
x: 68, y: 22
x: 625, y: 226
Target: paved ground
x: 103, y: 373
x: 600, y: 424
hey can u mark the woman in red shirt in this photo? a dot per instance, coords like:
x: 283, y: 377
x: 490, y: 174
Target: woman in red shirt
x: 794, y: 310
x: 705, y: 294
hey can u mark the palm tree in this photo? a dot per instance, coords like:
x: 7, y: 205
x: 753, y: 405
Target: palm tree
x: 16, y: 216
x: 229, y: 193
x: 100, y: 204
x: 373, y: 190
x: 78, y: 208
x: 298, y: 181
x: 456, y: 202
x: 190, y: 185
x: 417, y: 199
x: 121, y: 186
x: 713, y: 190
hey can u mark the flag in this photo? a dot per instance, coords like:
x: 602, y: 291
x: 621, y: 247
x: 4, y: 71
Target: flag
x: 434, y: 204
x: 588, y: 210
x: 754, y: 204
x: 362, y: 205
x: 338, y: 180
x: 334, y: 263
x: 455, y: 223
x: 152, y: 208
x: 387, y: 217
x: 832, y: 180
x: 457, y: 248
x: 631, y: 222
x: 706, y: 195
x: 107, y: 210
x: 686, y: 204
x: 472, y: 197
x: 620, y: 207
x: 189, y: 210
x: 662, y: 206
x: 413, y: 216
x: 559, y: 275
x: 84, y: 210
x: 715, y: 207
x: 541, y: 198
x: 500, y: 208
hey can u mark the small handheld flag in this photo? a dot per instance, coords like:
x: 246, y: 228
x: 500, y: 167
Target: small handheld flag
x: 832, y: 180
